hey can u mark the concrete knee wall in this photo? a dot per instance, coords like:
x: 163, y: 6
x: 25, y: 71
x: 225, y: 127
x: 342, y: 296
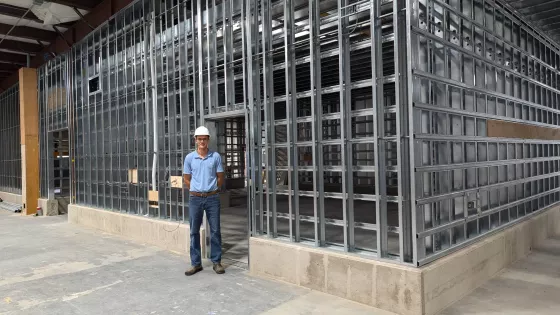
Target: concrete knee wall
x: 168, y: 235
x: 50, y: 207
x: 12, y: 198
x: 383, y: 285
x: 397, y: 288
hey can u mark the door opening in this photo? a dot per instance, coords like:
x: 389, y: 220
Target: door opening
x: 59, y: 175
x: 231, y: 142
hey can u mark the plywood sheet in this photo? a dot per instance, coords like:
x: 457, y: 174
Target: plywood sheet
x: 153, y: 195
x: 133, y: 176
x: 504, y: 129
x: 176, y: 181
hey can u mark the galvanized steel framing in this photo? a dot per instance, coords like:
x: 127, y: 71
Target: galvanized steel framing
x: 365, y: 120
x: 476, y: 61
x: 10, y: 153
x: 53, y: 99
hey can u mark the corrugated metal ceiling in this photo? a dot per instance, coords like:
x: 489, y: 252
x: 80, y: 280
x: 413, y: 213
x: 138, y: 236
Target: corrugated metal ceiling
x: 544, y: 14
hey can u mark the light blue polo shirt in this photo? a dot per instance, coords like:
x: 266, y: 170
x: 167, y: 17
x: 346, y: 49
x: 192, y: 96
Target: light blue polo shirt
x: 203, y: 171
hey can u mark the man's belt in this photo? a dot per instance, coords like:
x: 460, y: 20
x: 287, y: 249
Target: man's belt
x: 199, y: 194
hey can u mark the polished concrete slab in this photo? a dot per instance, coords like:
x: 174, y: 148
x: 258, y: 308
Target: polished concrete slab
x: 529, y: 286
x: 48, y: 266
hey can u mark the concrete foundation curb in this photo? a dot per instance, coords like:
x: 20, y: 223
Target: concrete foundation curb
x: 9, y: 197
x: 168, y: 235
x: 398, y: 288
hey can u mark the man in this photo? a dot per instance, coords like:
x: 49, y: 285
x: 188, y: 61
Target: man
x: 204, y: 175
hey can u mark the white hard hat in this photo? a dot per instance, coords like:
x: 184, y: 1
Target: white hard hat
x: 201, y: 131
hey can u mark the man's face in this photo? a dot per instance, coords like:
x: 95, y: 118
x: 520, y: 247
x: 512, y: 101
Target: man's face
x: 202, y: 141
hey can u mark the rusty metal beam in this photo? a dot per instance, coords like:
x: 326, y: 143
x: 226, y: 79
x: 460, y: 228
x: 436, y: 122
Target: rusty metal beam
x: 83, y: 18
x: 8, y: 67
x: 62, y: 36
x: 18, y: 59
x: 27, y: 32
x: 15, y: 45
x: 80, y: 4
x: 18, y: 12
x: 41, y: 44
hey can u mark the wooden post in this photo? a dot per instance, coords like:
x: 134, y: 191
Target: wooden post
x: 29, y: 130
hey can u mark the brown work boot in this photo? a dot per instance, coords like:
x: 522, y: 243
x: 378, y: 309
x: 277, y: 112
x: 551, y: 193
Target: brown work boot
x: 193, y: 270
x: 219, y: 269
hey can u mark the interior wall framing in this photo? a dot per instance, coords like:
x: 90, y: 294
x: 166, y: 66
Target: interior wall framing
x: 10, y: 146
x: 369, y: 118
x: 133, y: 132
x: 53, y: 96
x: 475, y: 63
x: 329, y: 101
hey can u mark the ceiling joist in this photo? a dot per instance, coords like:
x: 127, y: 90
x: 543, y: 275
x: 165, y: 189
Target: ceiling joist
x: 19, y: 46
x: 18, y: 12
x: 17, y: 59
x: 80, y: 4
x: 8, y: 67
x: 27, y: 32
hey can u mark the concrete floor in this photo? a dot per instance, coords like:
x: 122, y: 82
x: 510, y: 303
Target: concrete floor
x: 235, y: 241
x: 48, y: 266
x: 529, y: 286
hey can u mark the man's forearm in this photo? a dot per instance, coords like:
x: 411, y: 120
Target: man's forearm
x: 220, y: 180
x: 187, y: 181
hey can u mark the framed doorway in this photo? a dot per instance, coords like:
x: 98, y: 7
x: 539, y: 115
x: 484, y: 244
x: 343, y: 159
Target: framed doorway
x: 231, y: 139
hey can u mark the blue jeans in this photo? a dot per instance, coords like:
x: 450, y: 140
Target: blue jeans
x: 197, y: 206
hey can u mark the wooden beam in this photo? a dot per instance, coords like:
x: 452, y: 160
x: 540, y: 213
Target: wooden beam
x: 29, y: 130
x: 505, y: 129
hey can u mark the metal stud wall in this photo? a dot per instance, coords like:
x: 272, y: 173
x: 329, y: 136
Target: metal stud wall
x: 475, y: 63
x: 329, y: 102
x: 54, y: 94
x: 111, y: 115
x: 370, y: 117
x: 54, y: 87
x: 10, y: 155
